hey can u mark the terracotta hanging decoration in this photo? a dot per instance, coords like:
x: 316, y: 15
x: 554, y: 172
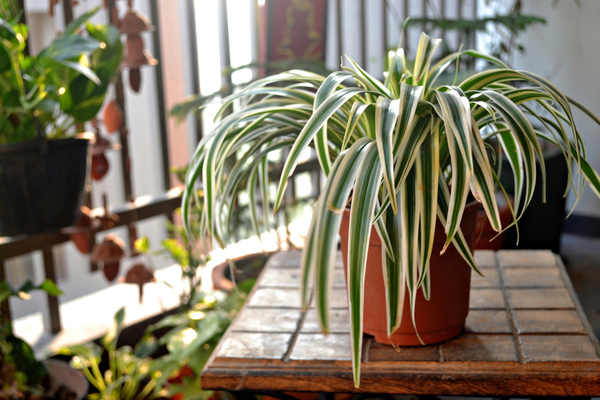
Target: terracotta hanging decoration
x: 134, y: 23
x: 109, y: 253
x: 136, y: 55
x: 112, y: 117
x: 100, y: 165
x: 82, y: 239
x: 135, y: 79
x: 139, y: 274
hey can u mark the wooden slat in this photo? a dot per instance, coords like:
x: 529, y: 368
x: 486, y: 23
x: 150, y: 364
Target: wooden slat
x: 5, y: 315
x: 506, y: 350
x: 50, y: 273
x: 144, y: 207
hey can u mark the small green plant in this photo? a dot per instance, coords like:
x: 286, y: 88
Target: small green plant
x: 130, y: 374
x: 180, y: 251
x: 194, y: 334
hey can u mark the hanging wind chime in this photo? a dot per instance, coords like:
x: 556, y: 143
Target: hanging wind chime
x: 133, y: 24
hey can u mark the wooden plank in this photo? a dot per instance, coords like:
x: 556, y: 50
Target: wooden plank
x: 290, y: 278
x: 533, y: 277
x: 480, y: 348
x: 527, y: 258
x: 485, y: 259
x: 456, y: 378
x: 540, y: 298
x: 487, y: 321
x: 251, y: 345
x: 50, y: 273
x: 486, y: 298
x: 559, y: 348
x: 267, y: 320
x: 316, y: 346
x: 290, y: 259
x: 490, y: 280
x: 282, y: 297
x: 382, y: 352
x: 144, y: 207
x: 338, y: 319
x: 337, y: 299
x: 549, y: 321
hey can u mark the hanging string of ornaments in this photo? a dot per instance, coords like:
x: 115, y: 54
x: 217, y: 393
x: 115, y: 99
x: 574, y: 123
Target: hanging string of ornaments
x: 111, y: 250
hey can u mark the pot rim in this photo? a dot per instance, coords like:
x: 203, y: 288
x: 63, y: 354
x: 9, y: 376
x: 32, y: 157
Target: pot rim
x: 35, y: 144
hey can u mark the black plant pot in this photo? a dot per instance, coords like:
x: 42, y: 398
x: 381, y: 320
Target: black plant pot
x: 42, y: 184
x: 542, y: 223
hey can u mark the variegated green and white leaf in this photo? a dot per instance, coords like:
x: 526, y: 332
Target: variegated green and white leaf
x: 359, y: 232
x: 386, y: 114
x: 425, y: 51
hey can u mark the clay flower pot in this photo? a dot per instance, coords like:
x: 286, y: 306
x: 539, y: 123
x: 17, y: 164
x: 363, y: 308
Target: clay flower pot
x: 443, y: 316
x: 109, y: 253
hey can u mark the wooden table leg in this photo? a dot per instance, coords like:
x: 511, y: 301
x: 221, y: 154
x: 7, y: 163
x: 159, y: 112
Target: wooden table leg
x: 5, y: 306
x: 50, y: 272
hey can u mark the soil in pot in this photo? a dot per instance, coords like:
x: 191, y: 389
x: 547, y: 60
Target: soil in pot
x: 443, y: 316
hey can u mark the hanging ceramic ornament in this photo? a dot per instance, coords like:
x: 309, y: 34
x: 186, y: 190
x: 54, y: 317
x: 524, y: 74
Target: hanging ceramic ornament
x: 139, y: 274
x: 109, y: 253
x: 112, y: 116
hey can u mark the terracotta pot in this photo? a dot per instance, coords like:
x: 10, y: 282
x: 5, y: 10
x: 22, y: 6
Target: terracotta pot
x: 247, y: 266
x: 438, y: 319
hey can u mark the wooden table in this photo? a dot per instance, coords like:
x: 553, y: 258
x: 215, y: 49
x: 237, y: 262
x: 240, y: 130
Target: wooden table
x: 526, y: 335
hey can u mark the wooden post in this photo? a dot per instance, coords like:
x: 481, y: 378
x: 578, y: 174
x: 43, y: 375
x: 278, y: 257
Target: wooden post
x: 50, y: 273
x: 5, y: 315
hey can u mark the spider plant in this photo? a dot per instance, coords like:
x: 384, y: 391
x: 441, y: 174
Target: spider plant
x: 404, y: 152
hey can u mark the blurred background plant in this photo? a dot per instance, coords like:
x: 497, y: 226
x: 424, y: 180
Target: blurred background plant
x: 60, y: 88
x: 505, y: 22
x: 20, y: 371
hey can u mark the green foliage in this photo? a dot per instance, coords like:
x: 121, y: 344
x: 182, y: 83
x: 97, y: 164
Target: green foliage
x: 129, y: 376
x: 63, y: 85
x: 514, y: 23
x: 506, y: 22
x: 18, y: 363
x: 194, y: 334
x: 7, y: 290
x: 17, y: 359
x: 194, y: 103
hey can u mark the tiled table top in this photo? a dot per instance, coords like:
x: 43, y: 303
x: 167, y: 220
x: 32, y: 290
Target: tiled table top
x: 525, y: 335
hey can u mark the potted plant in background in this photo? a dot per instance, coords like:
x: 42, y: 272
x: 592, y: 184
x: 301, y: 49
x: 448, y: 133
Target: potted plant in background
x: 406, y: 154
x: 45, y: 98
